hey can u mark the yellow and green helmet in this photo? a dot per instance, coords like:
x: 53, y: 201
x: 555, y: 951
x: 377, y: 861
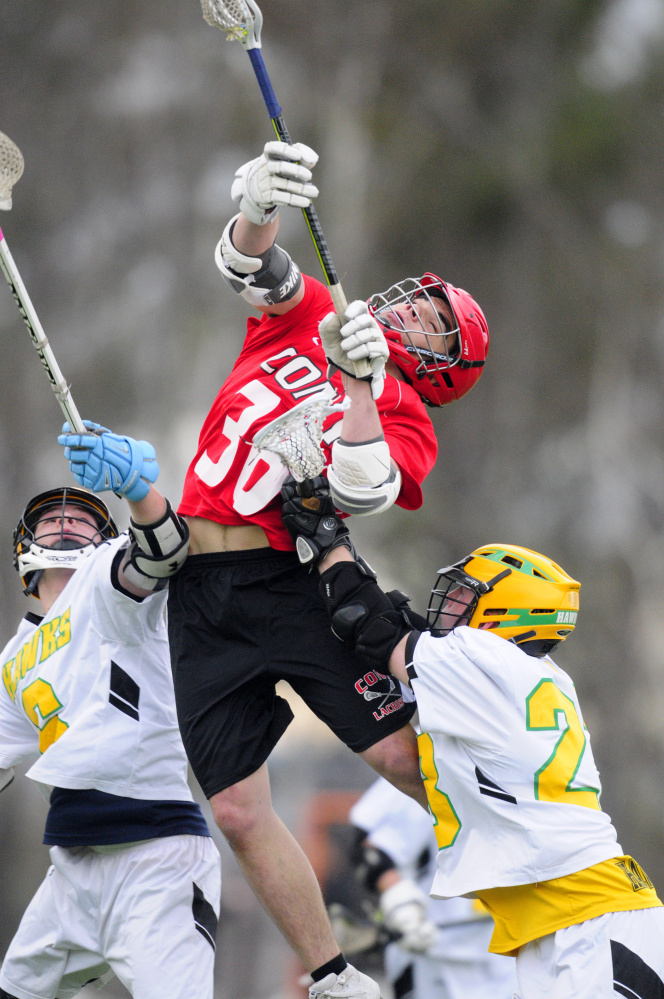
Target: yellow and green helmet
x: 518, y: 594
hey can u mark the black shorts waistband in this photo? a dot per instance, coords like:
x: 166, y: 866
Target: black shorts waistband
x: 249, y: 556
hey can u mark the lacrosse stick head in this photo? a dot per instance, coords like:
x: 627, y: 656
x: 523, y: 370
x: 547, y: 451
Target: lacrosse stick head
x: 11, y: 168
x: 240, y: 19
x: 296, y: 435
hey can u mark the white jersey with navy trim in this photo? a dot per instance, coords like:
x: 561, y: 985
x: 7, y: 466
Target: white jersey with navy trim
x: 510, y: 775
x: 88, y: 688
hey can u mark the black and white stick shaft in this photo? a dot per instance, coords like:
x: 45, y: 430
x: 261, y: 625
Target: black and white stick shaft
x: 38, y: 337
x: 11, y: 169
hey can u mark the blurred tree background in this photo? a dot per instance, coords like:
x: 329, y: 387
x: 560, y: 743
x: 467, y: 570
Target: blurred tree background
x: 513, y: 146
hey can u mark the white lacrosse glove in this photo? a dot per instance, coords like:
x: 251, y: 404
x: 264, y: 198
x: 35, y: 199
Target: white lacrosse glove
x: 355, y: 343
x: 279, y: 176
x: 6, y: 777
x: 404, y: 908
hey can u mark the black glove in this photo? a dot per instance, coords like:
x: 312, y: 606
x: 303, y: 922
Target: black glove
x: 310, y: 517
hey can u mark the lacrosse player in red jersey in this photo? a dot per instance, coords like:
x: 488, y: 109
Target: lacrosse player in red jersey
x: 244, y: 613
x: 87, y: 692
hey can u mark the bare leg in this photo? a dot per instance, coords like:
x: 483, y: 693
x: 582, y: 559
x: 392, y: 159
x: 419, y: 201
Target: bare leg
x: 276, y: 867
x: 397, y: 758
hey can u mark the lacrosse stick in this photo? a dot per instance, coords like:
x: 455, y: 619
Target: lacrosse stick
x: 296, y: 435
x: 11, y: 168
x: 242, y: 20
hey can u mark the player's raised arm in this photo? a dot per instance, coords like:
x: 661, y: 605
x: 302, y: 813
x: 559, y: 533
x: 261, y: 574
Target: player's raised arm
x: 103, y: 461
x: 247, y: 255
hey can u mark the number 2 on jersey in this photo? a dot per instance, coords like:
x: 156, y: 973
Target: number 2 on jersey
x: 546, y: 708
x: 41, y: 706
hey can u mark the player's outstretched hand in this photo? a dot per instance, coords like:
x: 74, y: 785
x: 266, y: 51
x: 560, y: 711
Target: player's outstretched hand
x: 103, y: 461
x: 352, y: 339
x: 311, y: 519
x: 281, y: 175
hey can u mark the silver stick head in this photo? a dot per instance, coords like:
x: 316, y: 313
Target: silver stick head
x: 11, y: 168
x: 240, y: 19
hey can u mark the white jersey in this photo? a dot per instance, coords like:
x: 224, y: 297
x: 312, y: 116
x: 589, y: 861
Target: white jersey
x: 506, y: 759
x: 401, y: 828
x: 89, y: 688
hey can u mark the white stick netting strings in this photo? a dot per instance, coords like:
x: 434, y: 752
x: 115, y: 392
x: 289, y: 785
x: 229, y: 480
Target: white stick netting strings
x: 231, y: 16
x: 11, y: 168
x: 296, y: 436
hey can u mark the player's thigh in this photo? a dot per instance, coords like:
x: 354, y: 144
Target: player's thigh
x: 618, y: 953
x: 55, y: 950
x: 161, y: 917
x: 362, y: 705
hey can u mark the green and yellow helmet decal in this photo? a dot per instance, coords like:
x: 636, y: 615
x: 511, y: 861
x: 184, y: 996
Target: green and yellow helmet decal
x: 536, y: 601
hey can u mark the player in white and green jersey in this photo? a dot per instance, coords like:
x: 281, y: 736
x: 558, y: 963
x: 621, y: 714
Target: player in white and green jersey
x: 86, y: 688
x: 506, y: 761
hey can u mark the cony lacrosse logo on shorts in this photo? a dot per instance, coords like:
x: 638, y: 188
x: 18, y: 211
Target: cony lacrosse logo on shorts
x: 374, y: 686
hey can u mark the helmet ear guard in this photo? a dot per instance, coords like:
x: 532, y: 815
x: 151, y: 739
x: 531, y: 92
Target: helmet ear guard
x: 31, y: 558
x: 533, y: 602
x: 439, y: 376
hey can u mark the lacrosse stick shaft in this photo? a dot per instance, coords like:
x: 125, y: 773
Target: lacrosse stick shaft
x: 41, y: 344
x: 311, y: 218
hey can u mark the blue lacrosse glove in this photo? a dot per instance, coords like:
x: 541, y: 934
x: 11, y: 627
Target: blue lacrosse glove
x: 103, y: 461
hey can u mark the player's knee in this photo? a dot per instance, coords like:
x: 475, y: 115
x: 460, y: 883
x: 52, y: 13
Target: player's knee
x: 396, y: 757
x: 237, y: 814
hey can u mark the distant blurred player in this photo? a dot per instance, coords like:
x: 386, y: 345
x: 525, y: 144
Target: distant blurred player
x: 441, y: 946
x: 86, y: 686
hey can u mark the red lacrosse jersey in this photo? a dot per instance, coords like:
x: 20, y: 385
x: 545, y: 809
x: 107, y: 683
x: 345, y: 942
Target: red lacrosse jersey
x: 281, y: 363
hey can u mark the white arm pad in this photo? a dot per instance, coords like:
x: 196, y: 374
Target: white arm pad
x: 363, y: 480
x: 6, y: 777
x: 267, y: 280
x: 157, y: 552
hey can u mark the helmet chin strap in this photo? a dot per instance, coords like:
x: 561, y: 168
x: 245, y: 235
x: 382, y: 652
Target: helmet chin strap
x: 34, y: 583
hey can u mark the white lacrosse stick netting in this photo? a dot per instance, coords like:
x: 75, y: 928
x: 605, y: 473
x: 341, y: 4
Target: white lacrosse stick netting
x: 11, y: 168
x: 296, y: 435
x: 239, y: 19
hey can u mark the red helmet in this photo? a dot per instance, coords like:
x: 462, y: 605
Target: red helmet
x: 439, y: 376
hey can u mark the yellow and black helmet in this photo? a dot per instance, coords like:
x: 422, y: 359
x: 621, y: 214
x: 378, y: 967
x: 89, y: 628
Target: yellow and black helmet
x: 31, y: 558
x: 516, y: 593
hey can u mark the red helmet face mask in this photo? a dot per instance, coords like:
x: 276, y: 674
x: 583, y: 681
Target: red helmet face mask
x: 442, y: 363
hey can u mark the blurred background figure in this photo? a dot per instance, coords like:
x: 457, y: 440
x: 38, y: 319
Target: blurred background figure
x: 519, y: 148
x: 439, y: 949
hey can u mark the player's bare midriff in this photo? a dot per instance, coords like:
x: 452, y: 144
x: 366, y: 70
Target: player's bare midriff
x: 208, y: 536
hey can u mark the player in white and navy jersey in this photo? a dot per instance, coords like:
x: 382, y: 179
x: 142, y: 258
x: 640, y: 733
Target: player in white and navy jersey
x: 508, y: 769
x: 243, y: 613
x: 440, y: 950
x: 86, y: 688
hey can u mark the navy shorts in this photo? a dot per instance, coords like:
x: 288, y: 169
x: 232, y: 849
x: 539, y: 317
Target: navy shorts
x: 240, y: 621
